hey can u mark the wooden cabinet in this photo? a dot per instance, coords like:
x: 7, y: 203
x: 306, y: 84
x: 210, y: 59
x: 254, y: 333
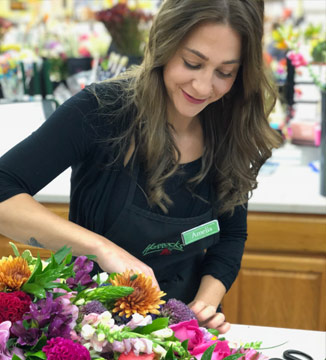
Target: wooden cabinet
x: 282, y: 281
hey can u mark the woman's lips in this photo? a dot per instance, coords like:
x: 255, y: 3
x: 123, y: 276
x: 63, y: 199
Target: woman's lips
x: 192, y: 99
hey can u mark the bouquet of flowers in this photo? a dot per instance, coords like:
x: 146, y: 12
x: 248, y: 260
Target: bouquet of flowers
x: 128, y: 28
x: 304, y: 47
x: 55, y: 310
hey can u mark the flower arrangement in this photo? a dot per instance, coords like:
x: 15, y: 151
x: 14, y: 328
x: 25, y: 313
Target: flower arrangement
x: 127, y: 27
x: 55, y: 310
x: 304, y: 47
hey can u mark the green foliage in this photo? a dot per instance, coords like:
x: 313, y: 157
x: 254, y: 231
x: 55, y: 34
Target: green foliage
x: 235, y: 357
x: 43, y: 280
x: 104, y: 294
x: 157, y: 324
x: 213, y: 332
x: 208, y: 352
x: 26, y: 254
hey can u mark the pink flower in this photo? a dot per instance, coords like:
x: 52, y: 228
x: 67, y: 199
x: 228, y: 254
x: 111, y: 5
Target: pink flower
x: 249, y: 354
x: 297, y: 59
x: 132, y: 356
x: 220, y: 352
x: 188, y: 330
x: 65, y: 349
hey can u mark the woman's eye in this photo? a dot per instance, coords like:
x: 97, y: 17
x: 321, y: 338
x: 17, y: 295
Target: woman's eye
x: 190, y: 66
x: 224, y: 75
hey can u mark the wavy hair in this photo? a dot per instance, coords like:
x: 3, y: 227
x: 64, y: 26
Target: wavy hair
x: 238, y: 138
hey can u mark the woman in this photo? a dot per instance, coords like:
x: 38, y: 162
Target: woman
x: 174, y: 144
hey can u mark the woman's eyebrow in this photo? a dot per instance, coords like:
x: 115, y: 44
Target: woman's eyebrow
x: 202, y: 56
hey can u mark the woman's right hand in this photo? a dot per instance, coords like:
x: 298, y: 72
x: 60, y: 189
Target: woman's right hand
x: 112, y: 258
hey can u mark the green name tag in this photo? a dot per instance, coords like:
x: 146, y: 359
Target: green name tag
x: 200, y: 232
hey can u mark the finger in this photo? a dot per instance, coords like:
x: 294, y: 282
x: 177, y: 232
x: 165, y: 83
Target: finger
x: 206, y: 314
x: 197, y: 306
x: 215, y: 321
x: 225, y: 327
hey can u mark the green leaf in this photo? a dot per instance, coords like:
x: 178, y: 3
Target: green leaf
x: 40, y: 343
x: 184, y: 344
x: 157, y: 324
x: 34, y: 289
x: 61, y: 254
x: 104, y: 293
x: 15, y: 357
x: 235, y: 357
x: 208, y: 352
x: 37, y: 269
x: 170, y: 355
x: 91, y: 257
x: 213, y: 332
x: 37, y: 355
x: 14, y: 248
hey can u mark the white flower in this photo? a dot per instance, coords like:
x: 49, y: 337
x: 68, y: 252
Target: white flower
x: 102, y: 277
x: 158, y: 349
x: 142, y: 346
x: 139, y: 320
x: 163, y: 333
x: 87, y: 332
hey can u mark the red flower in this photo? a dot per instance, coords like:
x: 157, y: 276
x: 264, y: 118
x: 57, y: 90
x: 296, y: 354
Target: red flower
x: 13, y: 305
x: 132, y: 356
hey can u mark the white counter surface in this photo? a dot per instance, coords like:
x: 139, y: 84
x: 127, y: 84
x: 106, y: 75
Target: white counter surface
x: 310, y: 342
x: 286, y: 183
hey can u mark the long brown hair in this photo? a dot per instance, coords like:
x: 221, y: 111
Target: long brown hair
x: 238, y: 138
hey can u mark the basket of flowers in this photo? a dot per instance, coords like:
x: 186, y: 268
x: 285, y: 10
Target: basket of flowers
x: 55, y: 310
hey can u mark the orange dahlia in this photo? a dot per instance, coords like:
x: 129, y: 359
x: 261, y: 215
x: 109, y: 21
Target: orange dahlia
x: 145, y: 298
x: 14, y: 272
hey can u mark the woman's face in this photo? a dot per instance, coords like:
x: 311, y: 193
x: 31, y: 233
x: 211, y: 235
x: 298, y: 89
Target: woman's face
x: 203, y: 69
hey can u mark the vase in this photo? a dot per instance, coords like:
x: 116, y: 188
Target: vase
x: 323, y: 145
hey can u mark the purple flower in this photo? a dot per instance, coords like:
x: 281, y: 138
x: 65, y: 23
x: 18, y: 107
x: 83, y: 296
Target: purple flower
x: 48, y: 316
x: 65, y: 349
x: 4, y: 336
x: 25, y: 337
x: 93, y: 307
x: 177, y: 311
x: 82, y: 267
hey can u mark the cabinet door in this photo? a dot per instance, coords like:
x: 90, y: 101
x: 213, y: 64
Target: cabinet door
x: 280, y: 291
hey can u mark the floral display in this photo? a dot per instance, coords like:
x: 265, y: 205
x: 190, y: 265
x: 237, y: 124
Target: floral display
x: 127, y: 27
x: 303, y: 47
x: 55, y: 310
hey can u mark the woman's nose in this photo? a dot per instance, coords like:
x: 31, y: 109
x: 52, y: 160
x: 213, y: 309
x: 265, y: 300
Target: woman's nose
x: 203, y: 85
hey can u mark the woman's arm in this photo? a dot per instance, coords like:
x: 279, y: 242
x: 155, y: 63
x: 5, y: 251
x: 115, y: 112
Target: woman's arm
x: 220, y: 268
x: 25, y: 220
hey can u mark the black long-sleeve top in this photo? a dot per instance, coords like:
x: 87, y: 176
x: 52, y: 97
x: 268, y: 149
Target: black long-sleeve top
x: 74, y: 136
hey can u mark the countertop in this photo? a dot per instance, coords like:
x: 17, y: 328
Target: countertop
x: 286, y: 183
x: 310, y: 342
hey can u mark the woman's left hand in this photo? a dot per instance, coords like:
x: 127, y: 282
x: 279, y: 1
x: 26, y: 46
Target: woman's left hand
x: 208, y: 317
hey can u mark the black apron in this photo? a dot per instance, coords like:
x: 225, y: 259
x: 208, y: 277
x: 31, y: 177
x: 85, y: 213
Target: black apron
x: 156, y: 240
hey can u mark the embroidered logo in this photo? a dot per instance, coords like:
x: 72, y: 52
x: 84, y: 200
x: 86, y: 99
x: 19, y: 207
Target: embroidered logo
x: 163, y: 248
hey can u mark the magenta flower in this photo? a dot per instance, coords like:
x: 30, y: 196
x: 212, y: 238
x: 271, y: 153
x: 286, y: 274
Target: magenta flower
x: 297, y: 59
x: 65, y: 349
x: 188, y: 330
x: 220, y: 352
